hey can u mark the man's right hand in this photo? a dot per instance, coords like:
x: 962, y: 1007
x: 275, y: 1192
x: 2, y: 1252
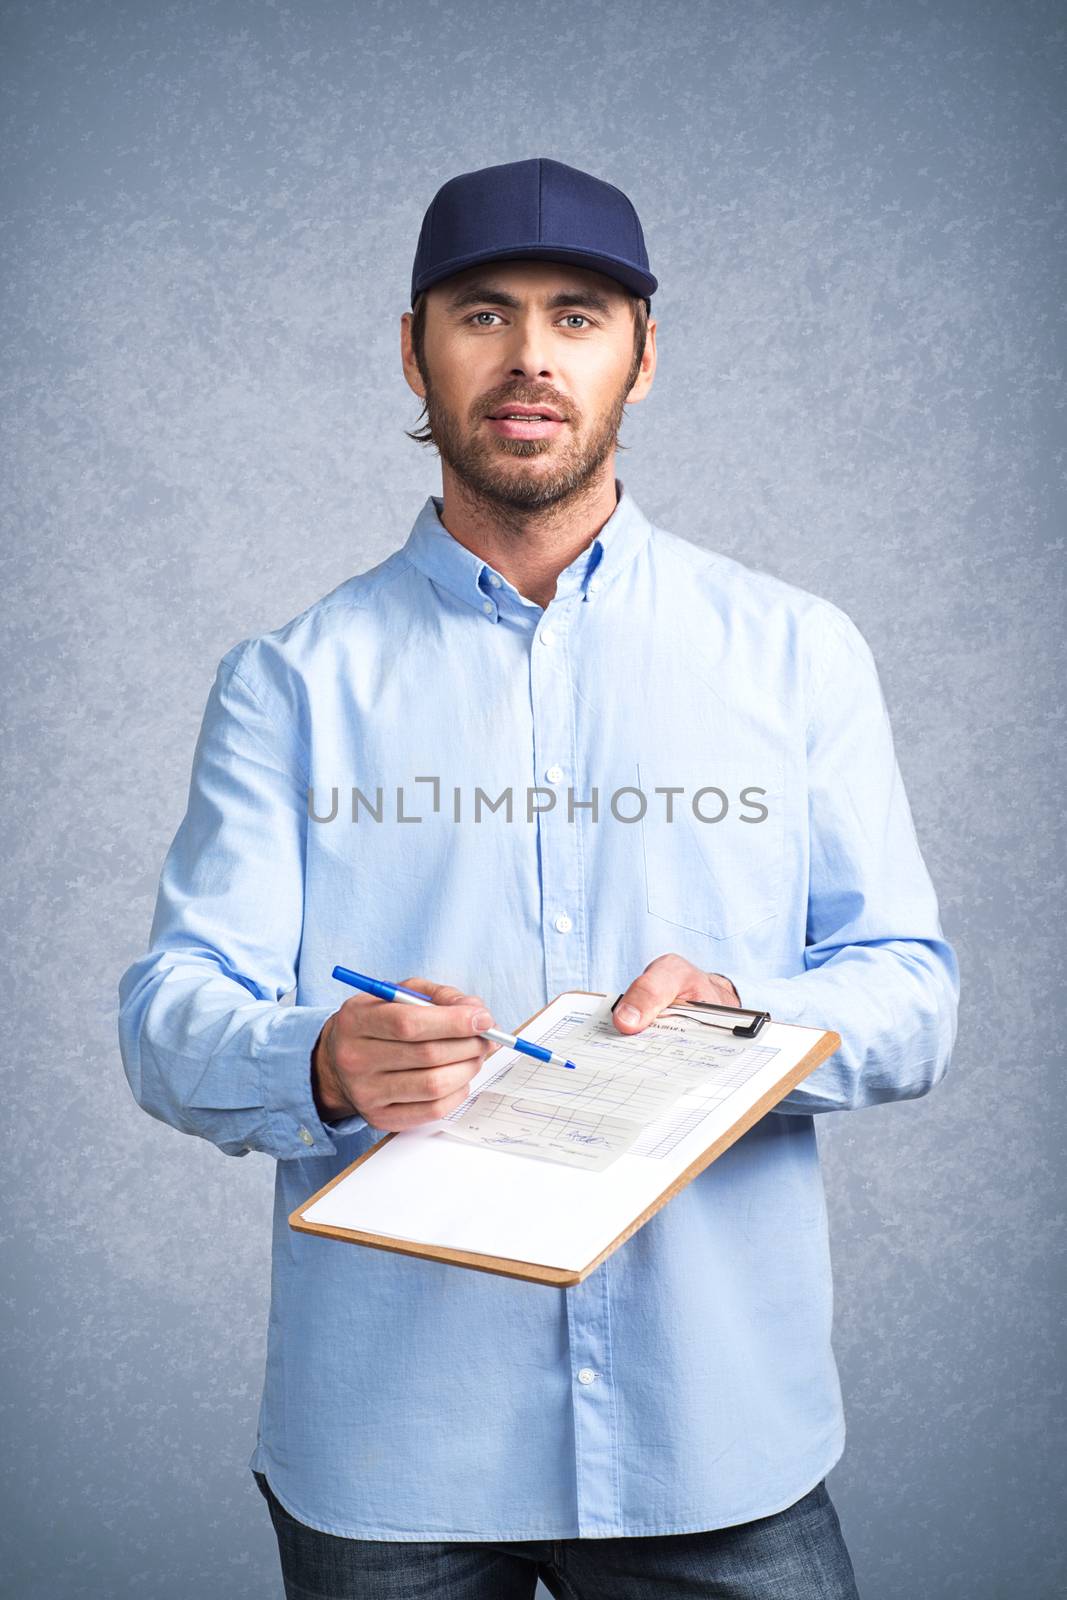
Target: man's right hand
x: 398, y: 1065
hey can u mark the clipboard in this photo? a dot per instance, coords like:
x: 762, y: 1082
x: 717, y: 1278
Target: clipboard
x: 419, y: 1168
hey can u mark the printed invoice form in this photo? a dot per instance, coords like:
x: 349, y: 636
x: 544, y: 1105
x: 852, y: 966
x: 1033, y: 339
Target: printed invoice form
x: 621, y: 1084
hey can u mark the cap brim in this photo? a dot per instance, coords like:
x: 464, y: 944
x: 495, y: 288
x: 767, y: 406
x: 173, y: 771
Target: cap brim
x: 628, y: 273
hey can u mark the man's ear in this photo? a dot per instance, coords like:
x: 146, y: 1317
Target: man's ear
x: 643, y: 381
x: 412, y: 375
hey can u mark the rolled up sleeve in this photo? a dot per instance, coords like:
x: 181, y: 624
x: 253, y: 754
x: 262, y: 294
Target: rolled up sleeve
x: 877, y: 967
x: 206, y: 1044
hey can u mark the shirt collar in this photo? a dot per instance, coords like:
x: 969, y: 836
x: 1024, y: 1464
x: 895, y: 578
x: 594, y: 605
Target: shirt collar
x: 432, y: 549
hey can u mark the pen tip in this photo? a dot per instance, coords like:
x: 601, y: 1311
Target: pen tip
x: 571, y: 1064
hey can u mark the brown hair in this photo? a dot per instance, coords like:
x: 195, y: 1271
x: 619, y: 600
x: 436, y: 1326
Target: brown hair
x: 638, y: 308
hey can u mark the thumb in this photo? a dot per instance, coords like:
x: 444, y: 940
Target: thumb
x: 642, y: 1001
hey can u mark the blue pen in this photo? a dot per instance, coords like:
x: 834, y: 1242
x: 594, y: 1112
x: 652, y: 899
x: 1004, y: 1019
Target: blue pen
x: 412, y: 997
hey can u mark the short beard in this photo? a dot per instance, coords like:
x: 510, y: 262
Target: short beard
x: 483, y: 462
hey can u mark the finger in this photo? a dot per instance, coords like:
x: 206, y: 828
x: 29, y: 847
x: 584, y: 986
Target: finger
x: 429, y: 1083
x: 361, y: 1001
x: 379, y: 1072
x: 383, y: 1037
x: 463, y: 1017
x: 412, y: 1113
x: 661, y: 983
x: 393, y: 1057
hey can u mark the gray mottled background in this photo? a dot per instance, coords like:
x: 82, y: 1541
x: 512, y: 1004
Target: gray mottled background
x: 856, y: 212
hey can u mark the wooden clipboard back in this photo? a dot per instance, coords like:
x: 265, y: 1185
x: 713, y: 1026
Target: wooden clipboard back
x: 561, y: 1277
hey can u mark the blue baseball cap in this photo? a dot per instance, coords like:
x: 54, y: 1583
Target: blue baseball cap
x: 538, y: 208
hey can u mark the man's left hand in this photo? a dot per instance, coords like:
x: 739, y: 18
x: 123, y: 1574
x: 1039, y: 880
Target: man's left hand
x: 665, y: 980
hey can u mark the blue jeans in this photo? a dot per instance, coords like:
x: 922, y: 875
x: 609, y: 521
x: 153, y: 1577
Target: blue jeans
x: 797, y: 1554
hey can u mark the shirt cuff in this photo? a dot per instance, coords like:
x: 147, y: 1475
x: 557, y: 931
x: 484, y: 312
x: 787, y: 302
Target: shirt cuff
x: 294, y: 1125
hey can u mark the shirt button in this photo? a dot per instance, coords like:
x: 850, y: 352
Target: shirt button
x: 494, y: 580
x: 563, y: 923
x: 546, y: 636
x: 586, y: 1375
x: 593, y: 585
x: 554, y: 774
x: 307, y: 1136
x: 488, y: 607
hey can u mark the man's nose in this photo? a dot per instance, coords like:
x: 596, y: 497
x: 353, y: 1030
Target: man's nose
x: 529, y: 353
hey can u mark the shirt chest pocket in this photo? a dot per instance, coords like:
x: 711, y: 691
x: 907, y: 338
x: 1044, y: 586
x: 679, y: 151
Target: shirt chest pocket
x: 715, y: 867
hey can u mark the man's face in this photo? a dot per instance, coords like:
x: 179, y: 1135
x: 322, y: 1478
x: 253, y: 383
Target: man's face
x: 528, y: 333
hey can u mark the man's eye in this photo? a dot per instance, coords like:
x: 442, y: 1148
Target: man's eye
x: 478, y: 314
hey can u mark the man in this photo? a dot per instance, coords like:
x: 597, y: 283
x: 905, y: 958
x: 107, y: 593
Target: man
x: 664, y: 1427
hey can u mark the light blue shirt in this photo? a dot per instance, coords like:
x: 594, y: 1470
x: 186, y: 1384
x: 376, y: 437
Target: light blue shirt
x: 689, y: 1381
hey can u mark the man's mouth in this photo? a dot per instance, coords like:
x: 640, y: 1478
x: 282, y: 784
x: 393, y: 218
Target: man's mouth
x: 526, y: 422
